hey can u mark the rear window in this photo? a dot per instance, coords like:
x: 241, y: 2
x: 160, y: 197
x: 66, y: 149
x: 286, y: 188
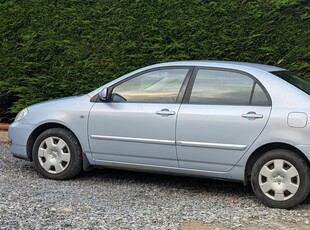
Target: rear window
x: 294, y: 80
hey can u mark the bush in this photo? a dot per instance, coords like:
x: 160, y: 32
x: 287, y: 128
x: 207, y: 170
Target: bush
x: 51, y: 49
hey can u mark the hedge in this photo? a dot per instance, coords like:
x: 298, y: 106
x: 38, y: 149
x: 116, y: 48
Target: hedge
x: 52, y: 49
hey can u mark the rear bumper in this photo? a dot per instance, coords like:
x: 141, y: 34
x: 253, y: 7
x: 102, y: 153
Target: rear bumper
x: 19, y: 134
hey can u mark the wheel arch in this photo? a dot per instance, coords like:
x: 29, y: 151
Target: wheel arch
x: 37, y: 131
x: 265, y: 148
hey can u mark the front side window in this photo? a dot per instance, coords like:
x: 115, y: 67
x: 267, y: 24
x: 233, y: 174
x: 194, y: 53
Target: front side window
x: 217, y: 87
x: 159, y: 86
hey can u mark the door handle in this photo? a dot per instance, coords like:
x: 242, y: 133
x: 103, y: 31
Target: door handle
x: 252, y: 115
x: 165, y: 112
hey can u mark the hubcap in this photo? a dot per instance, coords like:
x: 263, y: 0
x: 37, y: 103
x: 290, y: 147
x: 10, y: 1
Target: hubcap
x: 279, y: 180
x: 54, y: 155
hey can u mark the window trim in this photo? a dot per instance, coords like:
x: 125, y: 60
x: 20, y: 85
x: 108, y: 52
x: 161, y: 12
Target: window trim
x: 188, y: 92
x: 181, y: 93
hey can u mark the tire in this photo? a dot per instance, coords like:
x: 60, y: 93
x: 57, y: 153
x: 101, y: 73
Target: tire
x: 57, y: 154
x: 280, y: 179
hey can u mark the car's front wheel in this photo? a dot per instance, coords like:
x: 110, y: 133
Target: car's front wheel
x: 280, y: 179
x: 57, y: 154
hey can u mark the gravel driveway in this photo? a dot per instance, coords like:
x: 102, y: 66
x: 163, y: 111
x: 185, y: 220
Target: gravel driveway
x: 112, y: 199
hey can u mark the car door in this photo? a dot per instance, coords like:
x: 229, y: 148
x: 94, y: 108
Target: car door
x: 223, y: 113
x: 137, y: 124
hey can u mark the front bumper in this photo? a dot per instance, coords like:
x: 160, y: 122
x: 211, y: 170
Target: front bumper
x: 19, y: 134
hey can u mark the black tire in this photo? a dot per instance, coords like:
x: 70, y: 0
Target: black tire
x: 281, y: 180
x: 70, y: 167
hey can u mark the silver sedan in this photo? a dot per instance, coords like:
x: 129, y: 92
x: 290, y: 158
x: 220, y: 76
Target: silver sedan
x: 228, y: 120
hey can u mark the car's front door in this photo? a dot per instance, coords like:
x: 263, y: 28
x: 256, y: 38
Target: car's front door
x: 137, y: 124
x: 223, y: 113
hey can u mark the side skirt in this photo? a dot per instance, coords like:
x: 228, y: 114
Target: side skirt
x: 167, y: 170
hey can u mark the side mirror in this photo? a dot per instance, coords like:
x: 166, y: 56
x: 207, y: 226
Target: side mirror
x: 103, y: 95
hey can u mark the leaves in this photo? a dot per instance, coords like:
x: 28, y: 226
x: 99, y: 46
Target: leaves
x: 51, y: 49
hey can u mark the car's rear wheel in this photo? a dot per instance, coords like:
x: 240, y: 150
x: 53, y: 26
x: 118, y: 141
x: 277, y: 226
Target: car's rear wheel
x: 280, y: 179
x: 57, y: 154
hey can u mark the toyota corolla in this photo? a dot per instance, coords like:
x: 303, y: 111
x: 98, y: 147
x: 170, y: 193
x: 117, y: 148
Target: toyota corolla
x: 227, y: 120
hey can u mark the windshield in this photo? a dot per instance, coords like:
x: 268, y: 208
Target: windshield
x: 294, y: 80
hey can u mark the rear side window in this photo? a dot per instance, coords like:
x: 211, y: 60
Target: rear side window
x: 259, y: 97
x: 219, y: 87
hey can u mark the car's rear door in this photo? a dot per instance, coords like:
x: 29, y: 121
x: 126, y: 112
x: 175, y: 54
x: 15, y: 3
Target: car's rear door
x: 223, y: 113
x: 137, y: 125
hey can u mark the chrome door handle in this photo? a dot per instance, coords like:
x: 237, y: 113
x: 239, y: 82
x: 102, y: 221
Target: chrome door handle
x: 252, y: 115
x: 165, y: 112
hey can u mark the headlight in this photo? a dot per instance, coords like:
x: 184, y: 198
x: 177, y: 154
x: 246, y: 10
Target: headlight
x: 21, y: 114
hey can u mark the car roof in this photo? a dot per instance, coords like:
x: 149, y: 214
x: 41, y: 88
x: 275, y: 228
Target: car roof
x: 223, y: 64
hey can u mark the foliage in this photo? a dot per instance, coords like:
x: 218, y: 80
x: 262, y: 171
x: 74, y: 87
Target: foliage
x: 55, y: 48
